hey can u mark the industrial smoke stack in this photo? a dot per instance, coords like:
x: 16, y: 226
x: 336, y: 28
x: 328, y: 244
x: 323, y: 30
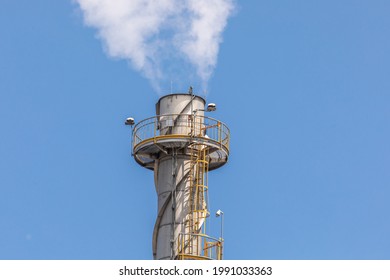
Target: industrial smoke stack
x: 180, y: 144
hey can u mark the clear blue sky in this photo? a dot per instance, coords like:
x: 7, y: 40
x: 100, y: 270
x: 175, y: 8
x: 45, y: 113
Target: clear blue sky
x: 303, y: 85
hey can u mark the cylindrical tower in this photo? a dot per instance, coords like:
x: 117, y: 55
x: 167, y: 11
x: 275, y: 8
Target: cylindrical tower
x: 181, y: 145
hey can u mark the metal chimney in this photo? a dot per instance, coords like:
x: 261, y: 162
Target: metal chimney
x: 180, y: 144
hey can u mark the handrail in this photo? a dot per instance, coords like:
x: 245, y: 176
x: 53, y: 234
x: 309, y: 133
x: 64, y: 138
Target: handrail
x: 188, y: 125
x: 185, y: 243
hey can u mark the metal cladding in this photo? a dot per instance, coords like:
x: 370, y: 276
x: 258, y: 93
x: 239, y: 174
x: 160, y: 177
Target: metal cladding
x: 181, y: 145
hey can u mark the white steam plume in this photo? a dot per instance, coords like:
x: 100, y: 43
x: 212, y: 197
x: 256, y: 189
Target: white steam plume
x: 161, y: 38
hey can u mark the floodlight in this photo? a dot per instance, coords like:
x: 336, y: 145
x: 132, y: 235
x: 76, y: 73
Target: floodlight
x: 218, y: 213
x: 129, y: 121
x: 211, y: 107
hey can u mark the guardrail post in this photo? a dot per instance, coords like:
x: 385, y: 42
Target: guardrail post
x: 219, y: 133
x: 154, y: 129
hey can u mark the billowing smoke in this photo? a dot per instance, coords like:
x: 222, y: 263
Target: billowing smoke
x: 163, y: 39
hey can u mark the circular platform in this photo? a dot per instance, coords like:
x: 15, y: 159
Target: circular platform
x: 162, y: 134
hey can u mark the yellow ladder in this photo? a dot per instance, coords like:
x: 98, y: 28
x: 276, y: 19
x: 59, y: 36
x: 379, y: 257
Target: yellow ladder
x: 195, y: 225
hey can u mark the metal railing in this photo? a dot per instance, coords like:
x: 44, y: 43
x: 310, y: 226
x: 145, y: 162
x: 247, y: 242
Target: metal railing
x: 187, y: 125
x: 192, y: 246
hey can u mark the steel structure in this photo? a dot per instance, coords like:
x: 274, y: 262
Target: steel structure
x: 180, y: 144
